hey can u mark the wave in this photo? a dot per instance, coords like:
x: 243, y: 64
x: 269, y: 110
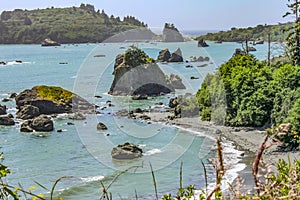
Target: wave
x: 17, y: 63
x: 92, y: 179
x: 152, y: 152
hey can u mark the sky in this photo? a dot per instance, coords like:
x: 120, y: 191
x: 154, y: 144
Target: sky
x: 185, y: 15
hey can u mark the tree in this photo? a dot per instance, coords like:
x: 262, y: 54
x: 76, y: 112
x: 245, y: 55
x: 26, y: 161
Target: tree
x: 293, y: 38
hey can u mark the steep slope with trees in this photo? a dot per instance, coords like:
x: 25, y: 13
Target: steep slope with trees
x: 64, y: 25
x: 277, y: 33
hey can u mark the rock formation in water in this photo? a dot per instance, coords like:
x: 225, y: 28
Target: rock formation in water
x: 202, y: 43
x: 50, y: 100
x: 48, y: 42
x: 171, y: 34
x: 126, y: 151
x: 137, y: 74
x: 41, y: 123
x: 165, y: 56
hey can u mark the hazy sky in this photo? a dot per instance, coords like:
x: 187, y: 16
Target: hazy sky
x: 186, y: 15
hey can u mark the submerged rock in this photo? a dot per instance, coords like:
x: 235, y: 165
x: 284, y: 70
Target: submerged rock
x: 126, y: 151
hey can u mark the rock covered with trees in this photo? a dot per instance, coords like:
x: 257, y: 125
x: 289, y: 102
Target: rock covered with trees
x: 135, y: 73
x: 171, y: 34
x: 64, y: 25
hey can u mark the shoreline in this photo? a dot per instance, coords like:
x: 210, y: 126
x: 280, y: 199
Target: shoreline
x: 245, y: 139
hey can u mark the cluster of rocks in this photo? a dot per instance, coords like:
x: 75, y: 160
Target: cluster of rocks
x: 199, y: 59
x: 35, y: 109
x: 166, y: 56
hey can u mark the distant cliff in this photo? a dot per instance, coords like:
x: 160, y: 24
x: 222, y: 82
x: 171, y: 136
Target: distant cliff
x: 65, y: 25
x: 171, y: 34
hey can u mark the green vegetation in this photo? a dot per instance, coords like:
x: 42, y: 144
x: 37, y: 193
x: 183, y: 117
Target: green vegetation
x: 135, y: 57
x: 293, y: 38
x: 254, y: 94
x: 252, y: 33
x: 65, y: 25
x: 55, y: 94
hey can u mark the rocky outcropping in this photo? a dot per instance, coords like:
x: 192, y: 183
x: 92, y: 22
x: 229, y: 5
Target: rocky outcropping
x: 133, y: 35
x: 137, y: 74
x: 176, y: 82
x: 166, y: 56
x: 41, y: 123
x: 2, y: 110
x: 176, y: 56
x: 48, y: 42
x: 126, y: 151
x: 202, y: 43
x: 52, y: 100
x: 28, y: 112
x: 6, y: 121
x: 171, y: 34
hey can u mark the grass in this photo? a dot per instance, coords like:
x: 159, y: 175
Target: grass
x: 53, y: 93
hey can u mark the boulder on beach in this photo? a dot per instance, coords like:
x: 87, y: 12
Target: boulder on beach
x: 138, y: 74
x: 41, y: 123
x: 49, y: 42
x: 6, y: 121
x: 28, y: 112
x: 2, y: 110
x: 126, y: 151
x: 53, y: 100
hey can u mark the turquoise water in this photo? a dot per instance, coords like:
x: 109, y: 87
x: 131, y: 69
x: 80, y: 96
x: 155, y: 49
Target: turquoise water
x: 81, y: 151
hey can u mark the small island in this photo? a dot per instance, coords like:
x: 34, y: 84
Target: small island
x: 135, y: 73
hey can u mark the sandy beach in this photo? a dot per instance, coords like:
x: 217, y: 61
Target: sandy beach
x: 247, y: 140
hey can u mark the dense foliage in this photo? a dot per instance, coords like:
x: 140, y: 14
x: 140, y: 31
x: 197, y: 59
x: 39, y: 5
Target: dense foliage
x: 65, y: 25
x: 254, y: 94
x: 252, y: 33
x: 135, y: 57
x: 293, y: 38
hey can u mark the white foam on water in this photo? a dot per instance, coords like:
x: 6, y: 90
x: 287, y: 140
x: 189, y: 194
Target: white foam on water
x: 152, y: 152
x: 92, y: 179
x: 16, y: 63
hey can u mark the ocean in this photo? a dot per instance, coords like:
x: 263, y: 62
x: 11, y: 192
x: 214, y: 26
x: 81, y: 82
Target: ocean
x: 81, y: 152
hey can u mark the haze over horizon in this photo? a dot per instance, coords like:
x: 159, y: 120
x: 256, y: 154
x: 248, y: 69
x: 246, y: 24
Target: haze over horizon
x: 188, y: 15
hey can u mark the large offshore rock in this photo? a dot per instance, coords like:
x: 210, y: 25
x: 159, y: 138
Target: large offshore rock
x: 52, y: 100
